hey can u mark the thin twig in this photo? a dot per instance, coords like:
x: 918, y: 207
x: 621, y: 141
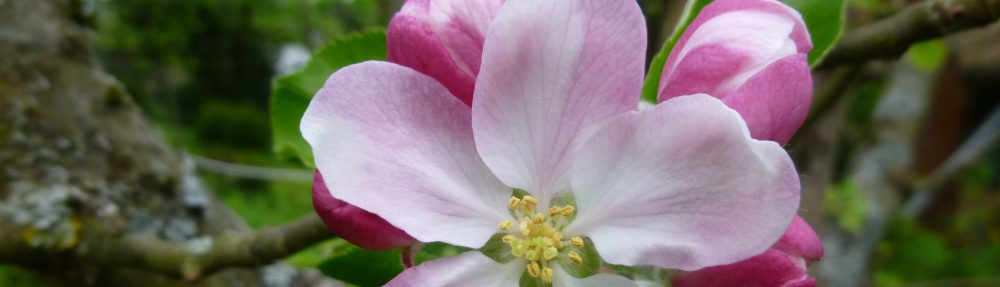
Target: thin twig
x: 249, y: 171
x: 892, y: 36
x: 985, y: 138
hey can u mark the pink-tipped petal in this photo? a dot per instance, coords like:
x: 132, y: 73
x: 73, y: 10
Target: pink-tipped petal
x: 467, y: 269
x: 551, y: 69
x: 394, y: 142
x: 800, y: 240
x: 783, y: 265
x: 775, y: 101
x: 443, y: 39
x: 733, y: 44
x: 771, y: 269
x: 682, y: 186
x: 357, y: 226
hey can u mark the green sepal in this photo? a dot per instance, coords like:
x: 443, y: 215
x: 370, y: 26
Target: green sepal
x: 591, y: 260
x: 528, y: 281
x: 564, y: 199
x: 497, y: 250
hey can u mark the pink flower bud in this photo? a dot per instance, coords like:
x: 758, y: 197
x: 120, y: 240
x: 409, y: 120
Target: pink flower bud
x: 357, y: 226
x: 752, y: 56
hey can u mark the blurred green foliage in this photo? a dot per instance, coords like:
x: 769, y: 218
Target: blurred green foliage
x: 844, y: 202
x: 958, y: 252
x: 208, y: 65
x: 928, y: 55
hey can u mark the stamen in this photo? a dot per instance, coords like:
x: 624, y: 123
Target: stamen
x: 512, y: 204
x: 528, y: 203
x: 568, y: 210
x: 533, y: 269
x: 575, y: 257
x: 547, y: 275
x: 576, y: 241
x: 506, y: 224
x: 538, y: 218
x: 555, y: 210
x: 538, y: 237
x: 508, y: 238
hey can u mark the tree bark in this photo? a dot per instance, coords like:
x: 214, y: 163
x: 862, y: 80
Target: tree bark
x: 91, y: 192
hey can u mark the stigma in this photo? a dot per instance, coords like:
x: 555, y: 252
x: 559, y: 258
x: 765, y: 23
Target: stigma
x: 537, y: 236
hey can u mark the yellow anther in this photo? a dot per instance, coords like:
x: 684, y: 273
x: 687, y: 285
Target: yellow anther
x: 555, y: 210
x: 538, y: 218
x: 506, y: 224
x: 508, y: 238
x: 528, y: 203
x: 575, y: 257
x: 513, y: 202
x: 576, y: 241
x: 534, y: 270
x: 550, y: 252
x: 547, y: 275
x: 568, y: 210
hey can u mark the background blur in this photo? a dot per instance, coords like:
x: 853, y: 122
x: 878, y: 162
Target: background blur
x: 202, y: 72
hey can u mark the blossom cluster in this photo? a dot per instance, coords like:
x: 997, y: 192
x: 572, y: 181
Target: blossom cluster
x: 512, y: 128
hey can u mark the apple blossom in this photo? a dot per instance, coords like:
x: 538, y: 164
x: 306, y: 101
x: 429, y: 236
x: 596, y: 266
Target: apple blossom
x: 750, y: 54
x: 680, y: 185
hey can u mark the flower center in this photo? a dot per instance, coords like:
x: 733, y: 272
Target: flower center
x: 538, y: 238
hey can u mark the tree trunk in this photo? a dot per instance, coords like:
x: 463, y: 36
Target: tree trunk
x: 79, y: 165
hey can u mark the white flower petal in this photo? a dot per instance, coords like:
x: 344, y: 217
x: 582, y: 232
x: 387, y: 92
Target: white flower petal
x: 682, y: 185
x: 467, y: 269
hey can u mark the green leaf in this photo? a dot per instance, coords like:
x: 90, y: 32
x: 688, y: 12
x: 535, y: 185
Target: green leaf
x: 357, y: 266
x: 290, y: 94
x: 927, y: 55
x: 691, y: 10
x: 825, y: 21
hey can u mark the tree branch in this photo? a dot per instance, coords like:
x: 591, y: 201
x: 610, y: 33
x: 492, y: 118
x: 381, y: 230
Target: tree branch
x: 982, y: 141
x: 890, y: 37
x: 190, y: 260
x: 249, y: 171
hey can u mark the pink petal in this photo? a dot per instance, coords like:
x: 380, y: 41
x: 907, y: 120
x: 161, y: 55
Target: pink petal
x: 783, y: 265
x: 800, y: 240
x: 443, y: 39
x: 394, y: 142
x: 467, y: 269
x: 773, y: 268
x: 775, y: 101
x: 551, y: 69
x: 734, y: 43
x: 683, y: 186
x: 357, y: 226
